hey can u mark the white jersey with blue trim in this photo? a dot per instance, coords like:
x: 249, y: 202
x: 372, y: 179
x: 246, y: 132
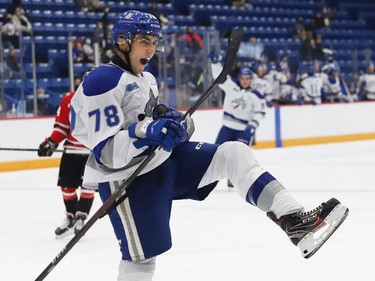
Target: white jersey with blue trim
x: 331, y: 85
x: 241, y: 106
x: 311, y: 87
x: 263, y: 86
x: 366, y: 84
x: 109, y: 100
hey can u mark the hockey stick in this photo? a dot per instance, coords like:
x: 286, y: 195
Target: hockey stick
x: 233, y: 45
x: 26, y: 149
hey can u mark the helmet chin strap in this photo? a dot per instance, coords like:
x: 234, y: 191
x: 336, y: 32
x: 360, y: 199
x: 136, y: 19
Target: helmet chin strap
x: 127, y: 57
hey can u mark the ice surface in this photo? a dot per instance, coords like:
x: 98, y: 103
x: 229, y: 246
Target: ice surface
x: 219, y: 239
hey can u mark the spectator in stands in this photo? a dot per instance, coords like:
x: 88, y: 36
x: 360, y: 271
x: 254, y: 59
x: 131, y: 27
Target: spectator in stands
x: 193, y: 40
x: 88, y: 50
x: 99, y: 34
x: 319, y: 20
x: 240, y: 3
x: 91, y: 5
x: 12, y: 8
x: 8, y: 33
x: 299, y: 28
x: 311, y: 26
x: 154, y: 10
x: 43, y: 106
x: 307, y: 47
x: 21, y: 22
x: 318, y: 51
x: 78, y: 53
x: 252, y: 50
x: 13, y: 64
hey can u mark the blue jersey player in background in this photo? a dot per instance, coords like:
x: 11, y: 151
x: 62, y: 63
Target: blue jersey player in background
x: 115, y: 113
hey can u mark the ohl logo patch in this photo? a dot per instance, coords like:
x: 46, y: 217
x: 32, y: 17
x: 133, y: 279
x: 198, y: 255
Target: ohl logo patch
x: 132, y: 86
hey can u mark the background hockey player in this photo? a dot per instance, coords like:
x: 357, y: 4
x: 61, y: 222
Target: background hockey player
x: 243, y: 107
x: 311, y: 85
x: 333, y: 85
x: 118, y: 117
x: 366, y: 84
x: 259, y: 83
x: 71, y: 171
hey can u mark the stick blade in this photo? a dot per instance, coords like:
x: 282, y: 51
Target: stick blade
x: 234, y: 42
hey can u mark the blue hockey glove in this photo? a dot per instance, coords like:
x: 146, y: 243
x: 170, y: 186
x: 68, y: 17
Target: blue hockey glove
x: 164, y: 132
x: 47, y: 147
x: 248, y: 135
x: 215, y: 56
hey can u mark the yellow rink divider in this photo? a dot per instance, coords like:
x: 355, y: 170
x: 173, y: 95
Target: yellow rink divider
x: 29, y: 164
x: 55, y: 162
x: 316, y: 140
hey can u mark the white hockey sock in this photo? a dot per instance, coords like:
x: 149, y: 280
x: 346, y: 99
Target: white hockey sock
x: 137, y: 270
x: 284, y: 204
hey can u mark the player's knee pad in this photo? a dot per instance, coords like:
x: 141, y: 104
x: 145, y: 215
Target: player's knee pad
x: 238, y: 160
x: 137, y: 270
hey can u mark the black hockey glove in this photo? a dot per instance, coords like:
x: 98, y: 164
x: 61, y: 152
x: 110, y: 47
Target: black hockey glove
x: 47, y: 147
x: 162, y: 111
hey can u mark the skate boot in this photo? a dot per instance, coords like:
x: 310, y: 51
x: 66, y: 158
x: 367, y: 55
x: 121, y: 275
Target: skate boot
x: 66, y: 228
x: 310, y: 230
x: 80, y: 221
x: 230, y: 184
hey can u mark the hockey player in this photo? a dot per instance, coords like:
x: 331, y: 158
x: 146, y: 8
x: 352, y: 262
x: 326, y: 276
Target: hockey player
x: 276, y: 78
x: 311, y: 86
x: 243, y: 107
x: 366, y: 84
x: 332, y: 84
x: 71, y: 171
x: 259, y: 83
x: 116, y: 114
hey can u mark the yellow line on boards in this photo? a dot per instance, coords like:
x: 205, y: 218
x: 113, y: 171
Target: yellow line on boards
x: 29, y: 164
x: 55, y: 162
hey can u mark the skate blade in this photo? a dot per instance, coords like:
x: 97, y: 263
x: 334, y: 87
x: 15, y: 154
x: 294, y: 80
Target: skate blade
x: 69, y: 232
x: 312, y: 242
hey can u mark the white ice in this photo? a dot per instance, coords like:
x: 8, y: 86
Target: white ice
x: 219, y: 239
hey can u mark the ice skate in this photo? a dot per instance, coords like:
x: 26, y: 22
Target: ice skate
x: 67, y: 226
x: 310, y: 230
x: 230, y: 184
x: 80, y: 221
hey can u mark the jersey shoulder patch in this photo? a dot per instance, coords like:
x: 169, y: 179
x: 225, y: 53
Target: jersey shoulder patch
x: 101, y: 80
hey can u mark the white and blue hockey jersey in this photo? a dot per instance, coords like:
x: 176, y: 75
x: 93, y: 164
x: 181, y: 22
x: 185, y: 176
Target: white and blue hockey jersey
x: 109, y: 100
x: 241, y: 106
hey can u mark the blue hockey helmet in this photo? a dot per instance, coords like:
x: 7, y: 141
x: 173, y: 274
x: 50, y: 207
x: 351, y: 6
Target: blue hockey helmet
x: 133, y: 22
x: 245, y: 71
x: 311, y: 69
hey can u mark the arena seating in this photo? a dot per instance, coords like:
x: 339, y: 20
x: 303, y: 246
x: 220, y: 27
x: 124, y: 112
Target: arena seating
x: 351, y: 33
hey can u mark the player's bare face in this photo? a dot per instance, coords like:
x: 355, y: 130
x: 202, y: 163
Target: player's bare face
x: 143, y: 49
x: 245, y: 81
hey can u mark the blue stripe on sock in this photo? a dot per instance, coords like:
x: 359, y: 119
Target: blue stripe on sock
x: 257, y: 187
